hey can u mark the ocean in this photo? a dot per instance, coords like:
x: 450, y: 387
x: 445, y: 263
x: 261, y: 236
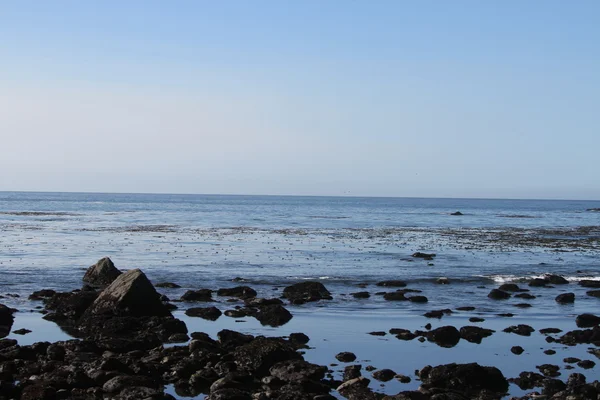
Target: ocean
x: 47, y: 240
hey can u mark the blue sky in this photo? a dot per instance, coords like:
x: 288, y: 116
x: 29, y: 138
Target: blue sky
x: 380, y: 98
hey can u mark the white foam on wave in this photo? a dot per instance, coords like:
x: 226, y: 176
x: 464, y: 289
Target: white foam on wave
x: 517, y: 278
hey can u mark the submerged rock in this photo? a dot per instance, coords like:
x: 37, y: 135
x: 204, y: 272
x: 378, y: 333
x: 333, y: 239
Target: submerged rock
x: 304, y: 292
x: 392, y: 283
x: 103, y: 273
x: 425, y: 256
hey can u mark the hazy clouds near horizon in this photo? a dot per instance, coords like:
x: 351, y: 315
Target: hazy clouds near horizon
x: 320, y: 98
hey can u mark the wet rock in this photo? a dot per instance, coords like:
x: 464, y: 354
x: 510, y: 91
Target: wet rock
x: 402, y: 334
x: 571, y: 360
x: 527, y: 296
x: 395, y: 296
x: 497, y: 294
x: 6, y: 320
x: 197, y: 295
x: 356, y: 389
x: 304, y: 292
x: 351, y: 372
x: 130, y: 294
x: 118, y: 383
x: 275, y: 315
x: 474, y: 334
x: 69, y: 306
x: 242, y: 292
x: 466, y: 308
x: 297, y: 370
x: 168, y: 285
x: 418, y: 299
x: 550, y: 352
x: 384, y: 375
x: 393, y: 283
x: 528, y: 380
x: 456, y: 213
x: 510, y: 287
x: 476, y: 319
x: 38, y: 392
x: 377, y: 333
x: 538, y: 282
x: 587, y: 320
x: 209, y: 313
x: 442, y: 281
x: 518, y: 350
x: 425, y: 256
x: 546, y: 331
x: 555, y: 279
x: 229, y: 394
x: 507, y: 315
x: 522, y: 305
x: 565, y: 298
x: 231, y: 339
x: 42, y: 294
x: 549, y: 370
x: 444, y: 336
x: 589, y: 283
x: 299, y: 338
x: 468, y: 379
x: 437, y: 313
x: 259, y: 355
x: 521, y: 329
x: 403, y: 378
x: 593, y: 293
x: 586, y: 364
x: 361, y: 295
x: 345, y: 356
x: 260, y: 302
x: 22, y: 331
x: 101, y: 274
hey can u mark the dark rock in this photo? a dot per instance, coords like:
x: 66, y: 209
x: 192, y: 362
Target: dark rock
x: 538, y: 282
x: 361, y: 295
x: 402, y: 334
x: 593, y: 293
x: 258, y: 356
x: 42, y: 294
x: 393, y: 283
x: 437, y: 313
x: 587, y: 320
x: 103, y: 273
x: 131, y: 294
x: 474, y: 334
x: 22, y: 331
x: 466, y: 308
x: 521, y: 329
x: 351, y: 372
x: 565, y: 298
x: 418, y: 299
x: 522, y: 305
x: 442, y: 281
x: 304, y: 292
x: 510, y: 287
x: 507, y: 315
x: 197, y: 295
x: 242, y: 292
x: 209, y: 313
x: 468, y: 379
x: 550, y: 352
x: 6, y: 320
x: 444, y: 336
x: 546, y: 331
x: 345, y: 356
x: 498, y: 294
x: 356, y: 389
x: 275, y: 315
x: 118, y: 383
x: 232, y: 339
x: 528, y: 380
x: 476, y: 319
x: 425, y: 256
x: 395, y: 296
x: 384, y: 375
x: 456, y: 213
x: 299, y: 337
x: 571, y: 360
x: 586, y: 364
x: 555, y: 279
x: 549, y: 370
x: 590, y: 283
x: 518, y: 350
x: 229, y: 394
x: 38, y: 392
x: 377, y: 333
x: 527, y: 296
x: 260, y: 302
x: 403, y: 378
x: 297, y: 370
x: 168, y: 285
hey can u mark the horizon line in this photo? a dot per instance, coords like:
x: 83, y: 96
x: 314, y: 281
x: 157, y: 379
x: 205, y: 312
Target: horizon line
x: 295, y: 195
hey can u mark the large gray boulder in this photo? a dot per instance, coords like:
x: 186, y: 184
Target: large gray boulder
x: 103, y: 273
x: 131, y: 294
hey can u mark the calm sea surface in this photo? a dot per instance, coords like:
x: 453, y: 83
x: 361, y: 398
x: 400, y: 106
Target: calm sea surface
x: 47, y: 240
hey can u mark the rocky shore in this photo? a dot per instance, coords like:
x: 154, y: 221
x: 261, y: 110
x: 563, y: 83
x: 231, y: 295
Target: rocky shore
x: 130, y: 346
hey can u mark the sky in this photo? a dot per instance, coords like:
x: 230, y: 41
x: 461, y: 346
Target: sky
x: 497, y: 99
